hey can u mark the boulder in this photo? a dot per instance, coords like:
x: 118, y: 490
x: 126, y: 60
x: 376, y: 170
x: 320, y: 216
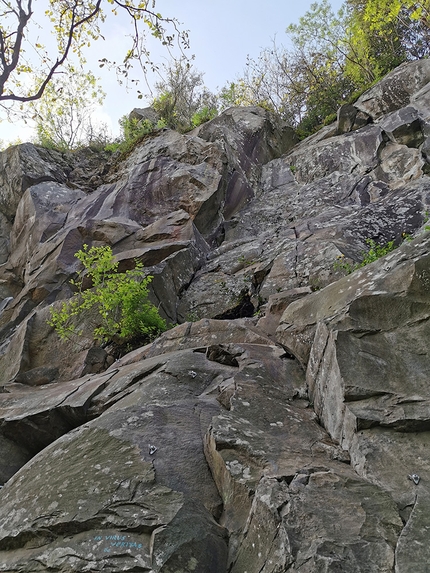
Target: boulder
x: 404, y: 127
x: 349, y: 118
x: 145, y: 113
x: 20, y: 167
x: 251, y: 137
x: 395, y: 90
x: 367, y: 372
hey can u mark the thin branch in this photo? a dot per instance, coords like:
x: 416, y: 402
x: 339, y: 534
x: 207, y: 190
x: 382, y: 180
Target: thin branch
x: 23, y: 19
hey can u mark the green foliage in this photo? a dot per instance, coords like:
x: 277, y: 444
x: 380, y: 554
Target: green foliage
x: 4, y: 146
x: 385, y: 33
x: 182, y: 100
x: 252, y: 89
x: 230, y: 95
x: 165, y: 105
x: 341, y: 264
x: 133, y: 130
x: 372, y: 51
x: 63, y: 115
x: 203, y: 115
x: 333, y: 58
x: 119, y: 299
x: 304, y: 84
x: 245, y: 261
x: 374, y: 253
x: 267, y: 82
x: 70, y: 29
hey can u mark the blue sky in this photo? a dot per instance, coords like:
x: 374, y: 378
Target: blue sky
x: 222, y: 34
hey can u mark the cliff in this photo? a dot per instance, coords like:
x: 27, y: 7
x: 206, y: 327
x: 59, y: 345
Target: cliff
x: 283, y: 423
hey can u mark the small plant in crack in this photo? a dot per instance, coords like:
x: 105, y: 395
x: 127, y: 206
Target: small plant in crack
x: 245, y: 261
x: 375, y: 252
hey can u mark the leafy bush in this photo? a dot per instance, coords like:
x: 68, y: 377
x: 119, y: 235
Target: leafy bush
x: 182, y: 100
x: 204, y: 115
x: 374, y: 253
x: 120, y: 300
x: 132, y: 131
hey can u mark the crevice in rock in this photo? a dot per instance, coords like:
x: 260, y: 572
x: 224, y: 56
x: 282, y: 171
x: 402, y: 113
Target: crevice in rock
x: 36, y: 432
x: 296, y: 253
x: 356, y: 395
x: 69, y: 528
x: 405, y: 511
x: 244, y: 309
x: 405, y: 514
x: 285, y: 478
x: 287, y: 355
x: 360, y: 188
x: 218, y: 353
x: 259, y: 276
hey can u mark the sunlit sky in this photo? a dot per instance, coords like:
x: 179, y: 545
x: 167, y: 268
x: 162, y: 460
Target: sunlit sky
x: 222, y: 34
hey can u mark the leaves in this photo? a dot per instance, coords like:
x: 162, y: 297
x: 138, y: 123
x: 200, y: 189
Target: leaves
x: 375, y: 251
x: 182, y: 100
x: 63, y: 115
x: 120, y: 300
x: 333, y: 56
x: 75, y: 25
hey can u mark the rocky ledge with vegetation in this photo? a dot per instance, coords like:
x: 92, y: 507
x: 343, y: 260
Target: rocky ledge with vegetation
x: 282, y: 422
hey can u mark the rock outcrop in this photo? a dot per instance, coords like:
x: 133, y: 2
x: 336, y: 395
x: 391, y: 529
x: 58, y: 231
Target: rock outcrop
x: 283, y: 424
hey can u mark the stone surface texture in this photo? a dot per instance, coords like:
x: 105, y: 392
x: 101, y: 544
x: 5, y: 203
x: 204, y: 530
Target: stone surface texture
x: 282, y: 423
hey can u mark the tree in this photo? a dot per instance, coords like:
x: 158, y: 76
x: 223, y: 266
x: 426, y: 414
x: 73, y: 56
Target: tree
x: 75, y: 24
x: 385, y: 33
x: 321, y: 55
x: 63, y: 114
x: 305, y: 83
x: 334, y: 56
x: 271, y: 82
x: 182, y: 100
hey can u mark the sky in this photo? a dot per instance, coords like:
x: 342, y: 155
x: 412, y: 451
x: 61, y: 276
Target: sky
x: 222, y: 34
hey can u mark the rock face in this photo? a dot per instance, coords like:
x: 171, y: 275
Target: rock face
x: 284, y: 423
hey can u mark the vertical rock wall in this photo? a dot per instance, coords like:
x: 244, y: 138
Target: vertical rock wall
x: 283, y: 423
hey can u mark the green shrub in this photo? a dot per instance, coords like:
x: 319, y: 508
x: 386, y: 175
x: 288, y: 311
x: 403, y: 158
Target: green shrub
x: 119, y: 299
x: 374, y: 253
x: 204, y: 115
x: 132, y: 131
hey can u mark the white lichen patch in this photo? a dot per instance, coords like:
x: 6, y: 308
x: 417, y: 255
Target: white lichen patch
x: 239, y: 470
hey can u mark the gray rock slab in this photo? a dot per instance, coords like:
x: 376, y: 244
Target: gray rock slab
x: 22, y: 166
x: 128, y: 482
x: 33, y: 417
x: 404, y: 127
x: 395, y: 90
